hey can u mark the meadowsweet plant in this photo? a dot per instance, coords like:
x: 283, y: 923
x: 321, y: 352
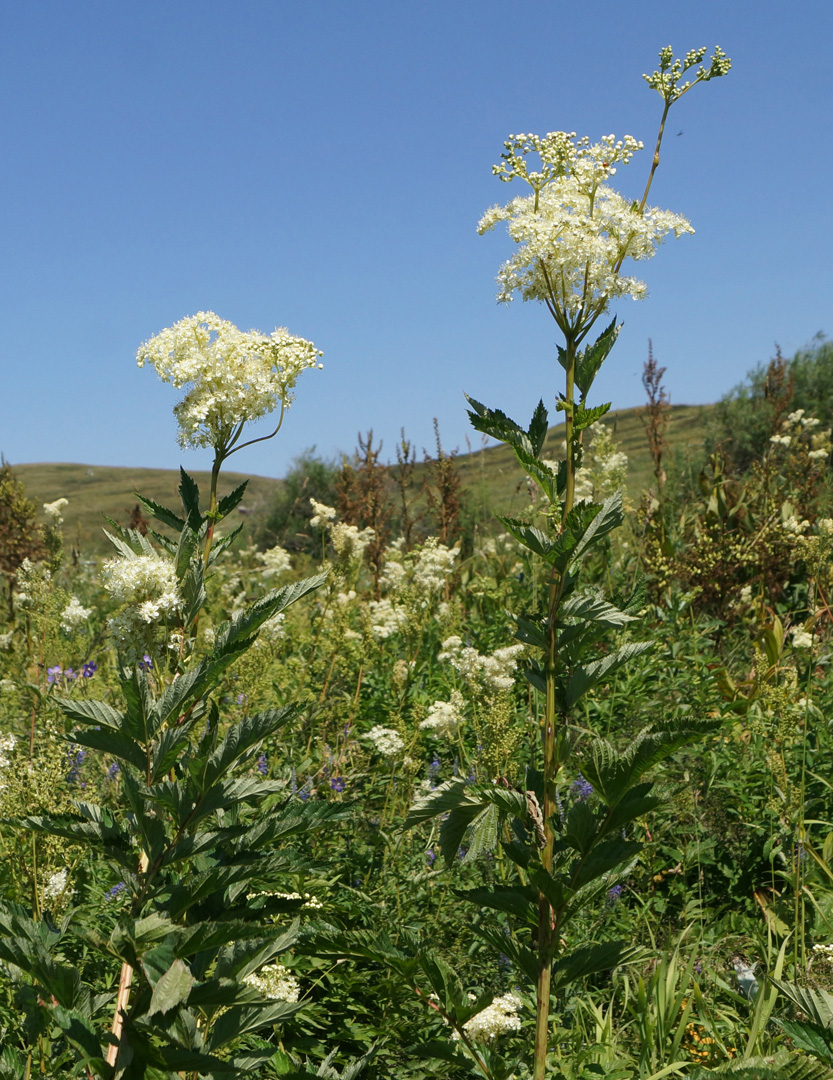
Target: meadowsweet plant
x: 189, y: 965
x: 574, y: 234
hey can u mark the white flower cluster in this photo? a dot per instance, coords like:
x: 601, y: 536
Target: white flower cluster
x: 492, y: 672
x: 411, y: 580
x: 56, y: 885
x: 275, y: 561
x: 309, y: 900
x: 606, y: 469
x: 233, y: 376
x: 74, y: 615
x: 433, y: 565
x: 445, y: 717
x: 275, y: 983
x: 55, y: 511
x: 385, y: 618
x: 146, y: 581
x: 7, y: 745
x: 575, y: 231
x: 792, y: 525
x: 349, y: 540
x: 27, y: 579
x: 496, y: 1019
x: 321, y: 514
x: 800, y: 430
x: 801, y: 638
x: 387, y: 742
x: 825, y: 950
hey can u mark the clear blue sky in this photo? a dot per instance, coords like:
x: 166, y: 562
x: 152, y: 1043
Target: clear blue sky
x: 323, y: 165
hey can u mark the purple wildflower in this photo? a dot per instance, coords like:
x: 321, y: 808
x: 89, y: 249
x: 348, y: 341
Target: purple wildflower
x: 581, y: 788
x: 146, y: 663
x: 111, y: 893
x: 70, y: 674
x: 337, y: 784
x: 614, y: 894
x: 241, y: 699
x: 53, y: 674
x: 76, y: 760
x: 434, y: 768
x: 430, y: 855
x: 89, y: 669
x: 113, y: 771
x: 263, y: 765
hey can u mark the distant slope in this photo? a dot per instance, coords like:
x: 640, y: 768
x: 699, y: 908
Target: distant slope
x: 495, y: 470
x: 493, y: 473
x: 97, y: 491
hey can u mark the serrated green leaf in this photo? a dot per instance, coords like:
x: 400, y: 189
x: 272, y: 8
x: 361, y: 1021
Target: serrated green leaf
x: 583, y: 679
x: 232, y: 500
x: 811, y: 1038
x: 589, y: 959
x: 189, y: 492
x: 89, y: 712
x: 172, y: 989
x: 590, y: 359
x: 585, y: 418
x: 161, y: 513
x: 521, y: 901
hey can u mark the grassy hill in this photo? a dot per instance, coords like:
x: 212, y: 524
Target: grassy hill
x: 495, y: 471
x: 492, y: 472
x: 98, y: 491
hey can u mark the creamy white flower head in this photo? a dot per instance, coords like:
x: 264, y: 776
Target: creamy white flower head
x: 574, y: 232
x: 275, y: 561
x: 74, y: 615
x: 7, y: 745
x: 387, y: 742
x: 55, y: 511
x: 801, y: 639
x: 386, y: 619
x: 445, y: 717
x: 231, y: 376
x: 492, y: 672
x: 138, y: 579
x: 275, y: 982
x: 321, y: 513
x: 56, y: 885
x: 349, y: 540
x: 496, y: 1019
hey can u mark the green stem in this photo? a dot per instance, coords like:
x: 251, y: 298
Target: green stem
x: 552, y: 720
x: 219, y: 458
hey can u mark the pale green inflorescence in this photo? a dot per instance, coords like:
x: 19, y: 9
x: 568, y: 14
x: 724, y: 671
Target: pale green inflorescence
x: 232, y: 375
x: 575, y: 231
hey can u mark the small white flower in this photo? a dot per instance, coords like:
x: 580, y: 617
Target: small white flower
x: 54, y: 511
x: 387, y: 742
x: 275, y: 561
x: 445, y: 717
x: 74, y: 615
x: 321, y: 514
x: 496, y: 1019
x: 801, y: 639
x: 56, y: 885
x: 275, y: 982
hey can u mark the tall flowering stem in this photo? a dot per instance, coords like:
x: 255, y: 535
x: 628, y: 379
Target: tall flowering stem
x: 573, y: 234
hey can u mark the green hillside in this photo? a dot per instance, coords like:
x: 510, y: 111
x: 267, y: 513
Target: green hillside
x: 98, y: 491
